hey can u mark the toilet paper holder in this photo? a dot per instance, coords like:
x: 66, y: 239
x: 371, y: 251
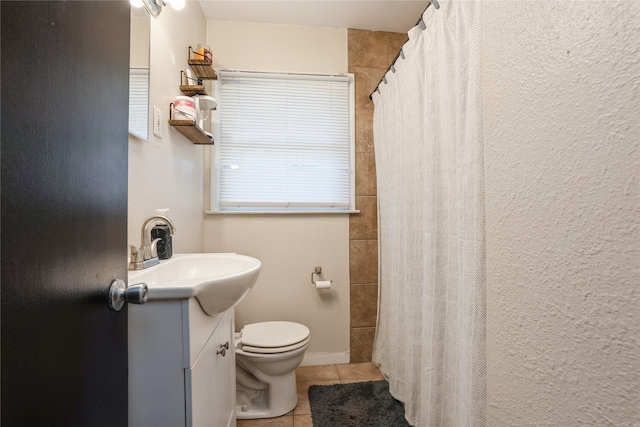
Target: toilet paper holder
x: 317, y: 272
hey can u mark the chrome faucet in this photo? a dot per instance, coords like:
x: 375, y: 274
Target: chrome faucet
x: 147, y: 255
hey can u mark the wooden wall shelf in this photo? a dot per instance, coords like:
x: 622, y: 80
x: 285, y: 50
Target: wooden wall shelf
x: 190, y: 90
x: 189, y: 129
x: 203, y: 69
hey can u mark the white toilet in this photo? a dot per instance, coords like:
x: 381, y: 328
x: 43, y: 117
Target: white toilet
x: 267, y: 355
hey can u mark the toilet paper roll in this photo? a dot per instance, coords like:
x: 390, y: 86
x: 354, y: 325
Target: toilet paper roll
x: 323, y: 284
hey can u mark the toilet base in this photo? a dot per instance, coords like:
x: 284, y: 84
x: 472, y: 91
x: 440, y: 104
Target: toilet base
x: 279, y: 398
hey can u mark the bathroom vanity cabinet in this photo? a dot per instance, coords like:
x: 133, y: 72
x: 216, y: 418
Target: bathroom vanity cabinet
x: 181, y: 365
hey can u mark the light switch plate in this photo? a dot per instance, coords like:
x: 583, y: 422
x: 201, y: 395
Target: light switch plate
x: 157, y: 122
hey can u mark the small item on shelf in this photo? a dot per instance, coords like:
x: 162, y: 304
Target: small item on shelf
x: 185, y: 108
x: 203, y: 52
x: 188, y: 78
x: 205, y: 102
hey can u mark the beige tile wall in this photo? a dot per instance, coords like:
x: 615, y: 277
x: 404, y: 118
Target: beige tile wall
x: 370, y: 54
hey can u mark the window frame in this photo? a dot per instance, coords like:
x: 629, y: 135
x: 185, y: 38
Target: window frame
x: 215, y: 207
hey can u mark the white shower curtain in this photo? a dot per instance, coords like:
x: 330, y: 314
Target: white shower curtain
x: 428, y: 137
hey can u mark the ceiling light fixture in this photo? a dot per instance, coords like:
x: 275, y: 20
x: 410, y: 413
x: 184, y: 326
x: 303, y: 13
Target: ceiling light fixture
x: 154, y: 7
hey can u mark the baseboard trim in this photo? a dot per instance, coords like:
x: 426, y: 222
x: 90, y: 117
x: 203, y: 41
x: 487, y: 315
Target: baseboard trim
x: 313, y: 359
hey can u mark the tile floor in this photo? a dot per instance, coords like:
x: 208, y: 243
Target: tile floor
x: 322, y: 375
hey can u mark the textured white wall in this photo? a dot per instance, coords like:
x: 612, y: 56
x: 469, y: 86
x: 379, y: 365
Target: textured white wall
x: 168, y: 172
x: 561, y: 86
x: 289, y: 246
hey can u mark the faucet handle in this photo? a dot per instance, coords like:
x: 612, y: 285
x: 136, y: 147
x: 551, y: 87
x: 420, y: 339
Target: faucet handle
x: 136, y: 259
x: 136, y: 255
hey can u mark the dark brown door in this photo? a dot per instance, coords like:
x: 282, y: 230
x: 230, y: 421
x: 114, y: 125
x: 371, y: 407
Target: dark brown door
x: 64, y: 211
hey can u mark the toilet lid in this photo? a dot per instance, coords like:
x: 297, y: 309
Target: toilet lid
x: 273, y: 335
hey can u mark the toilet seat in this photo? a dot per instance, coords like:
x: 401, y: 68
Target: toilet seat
x: 272, y: 350
x: 272, y: 337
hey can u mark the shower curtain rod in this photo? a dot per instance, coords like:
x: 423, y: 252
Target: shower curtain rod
x: 400, y: 53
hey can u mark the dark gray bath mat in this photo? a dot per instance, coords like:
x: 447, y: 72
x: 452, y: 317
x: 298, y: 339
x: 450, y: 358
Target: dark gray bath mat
x: 366, y: 404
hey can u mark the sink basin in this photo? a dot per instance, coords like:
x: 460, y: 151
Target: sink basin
x: 219, y: 281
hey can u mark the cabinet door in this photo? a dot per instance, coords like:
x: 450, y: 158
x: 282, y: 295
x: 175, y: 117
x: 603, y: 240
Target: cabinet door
x: 210, y: 382
x: 225, y: 376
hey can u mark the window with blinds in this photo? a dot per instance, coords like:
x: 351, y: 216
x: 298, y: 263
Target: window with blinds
x: 286, y: 142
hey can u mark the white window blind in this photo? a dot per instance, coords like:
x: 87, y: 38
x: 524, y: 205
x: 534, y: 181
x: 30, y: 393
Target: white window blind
x: 285, y: 142
x: 139, y: 102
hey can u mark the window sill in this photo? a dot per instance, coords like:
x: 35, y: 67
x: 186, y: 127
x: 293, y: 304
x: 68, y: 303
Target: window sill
x: 281, y: 212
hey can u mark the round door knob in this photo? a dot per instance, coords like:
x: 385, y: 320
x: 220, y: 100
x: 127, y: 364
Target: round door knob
x: 119, y: 294
x: 137, y: 294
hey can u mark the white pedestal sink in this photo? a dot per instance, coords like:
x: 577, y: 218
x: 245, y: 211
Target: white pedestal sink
x: 219, y: 281
x: 181, y: 342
